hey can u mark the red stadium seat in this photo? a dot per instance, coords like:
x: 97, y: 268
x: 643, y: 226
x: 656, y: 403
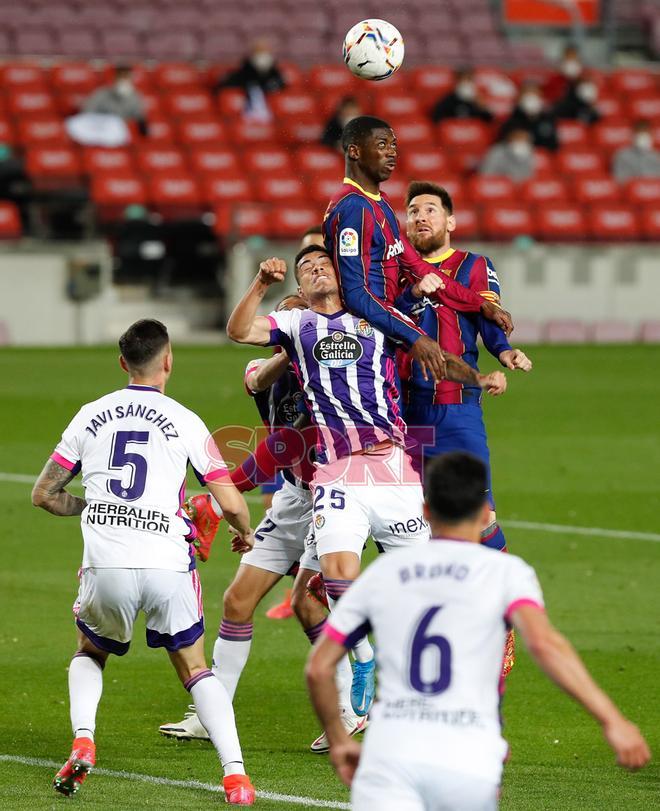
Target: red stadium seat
x: 572, y: 133
x: 332, y: 77
x: 23, y: 103
x: 228, y: 188
x: 543, y: 190
x: 281, y: 190
x: 153, y: 160
x: 53, y: 167
x: 186, y: 104
x: 291, y: 222
x: 455, y: 185
x: 395, y: 188
x: 463, y: 161
x: 265, y: 161
x: 489, y: 189
x: 503, y: 222
x: 424, y: 163
x: 318, y: 158
x: 579, y: 162
x: 10, y: 221
x: 633, y: 80
x: 231, y: 101
x: 214, y: 161
x: 650, y: 222
x: 292, y: 103
x: 468, y: 223
x: 561, y: 221
x: 413, y: 132
x: 397, y: 105
x: 96, y: 160
x: 16, y: 75
x: 464, y: 133
x: 646, y: 106
x: 244, y: 220
x: 609, y: 106
x: 42, y: 132
x: 159, y: 130
x: 177, y: 76
x: 303, y: 129
x: 74, y: 77
x: 643, y: 191
x: 70, y: 102
x: 596, y: 190
x: 175, y: 195
x: 201, y: 131
x: 320, y: 189
x: 7, y: 134
x: 611, y: 134
x: 112, y: 193
x: 613, y: 222
x: 430, y: 82
x: 253, y: 132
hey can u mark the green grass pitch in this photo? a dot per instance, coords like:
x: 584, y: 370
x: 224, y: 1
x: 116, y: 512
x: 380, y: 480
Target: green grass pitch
x: 577, y: 442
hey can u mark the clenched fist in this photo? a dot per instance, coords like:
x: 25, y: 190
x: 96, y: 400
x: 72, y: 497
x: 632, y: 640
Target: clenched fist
x: 272, y: 270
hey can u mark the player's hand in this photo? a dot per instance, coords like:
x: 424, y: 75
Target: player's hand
x: 345, y: 758
x: 497, y: 314
x: 428, y: 285
x: 493, y: 383
x: 430, y: 357
x: 242, y: 542
x: 272, y: 270
x: 515, y: 359
x: 631, y: 750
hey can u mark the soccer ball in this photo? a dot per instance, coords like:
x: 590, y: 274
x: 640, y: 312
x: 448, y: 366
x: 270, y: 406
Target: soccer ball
x: 373, y: 49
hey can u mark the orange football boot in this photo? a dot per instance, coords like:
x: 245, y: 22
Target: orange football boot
x: 80, y: 763
x: 201, y: 513
x: 283, y: 610
x: 239, y: 790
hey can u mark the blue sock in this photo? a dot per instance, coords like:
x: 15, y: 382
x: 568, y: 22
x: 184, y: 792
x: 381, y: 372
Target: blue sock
x: 493, y: 538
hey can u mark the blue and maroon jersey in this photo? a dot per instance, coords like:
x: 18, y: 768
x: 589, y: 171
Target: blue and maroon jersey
x: 348, y: 372
x: 370, y: 254
x: 456, y: 332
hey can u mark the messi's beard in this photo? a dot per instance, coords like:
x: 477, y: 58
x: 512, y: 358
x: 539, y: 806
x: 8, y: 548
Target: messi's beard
x: 428, y: 245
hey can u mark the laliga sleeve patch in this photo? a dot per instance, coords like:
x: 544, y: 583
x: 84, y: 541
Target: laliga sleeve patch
x: 348, y: 242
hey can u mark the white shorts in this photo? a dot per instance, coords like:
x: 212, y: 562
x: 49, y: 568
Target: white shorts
x: 280, y: 537
x: 109, y: 600
x: 351, y: 504
x: 389, y: 784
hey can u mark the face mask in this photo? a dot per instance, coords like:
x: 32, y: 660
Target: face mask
x: 521, y: 149
x: 571, y: 68
x: 466, y: 91
x: 531, y: 104
x: 124, y: 87
x: 587, y: 92
x: 644, y: 140
x: 262, y: 61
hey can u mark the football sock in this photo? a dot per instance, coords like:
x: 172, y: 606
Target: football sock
x: 493, y: 537
x: 362, y: 650
x: 85, y: 689
x: 230, y: 653
x: 314, y: 632
x: 216, y: 714
x: 344, y: 680
x: 217, y: 509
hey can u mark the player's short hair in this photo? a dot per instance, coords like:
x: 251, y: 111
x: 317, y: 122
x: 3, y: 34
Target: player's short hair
x: 286, y: 298
x: 455, y: 486
x: 360, y: 128
x: 302, y: 253
x: 142, y: 342
x: 418, y: 187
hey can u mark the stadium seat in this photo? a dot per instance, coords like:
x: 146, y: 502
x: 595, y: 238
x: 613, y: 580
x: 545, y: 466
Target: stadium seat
x: 244, y: 220
x: 31, y: 41
x: 42, y: 132
x: 113, y: 192
x: 228, y: 188
x: 177, y: 45
x: 395, y: 188
x: 611, y: 134
x: 468, y: 224
x: 613, y: 222
x: 318, y: 159
x: 543, y: 190
x: 290, y: 103
x: 201, y: 131
x: 424, y: 163
x: 650, y: 222
x: 269, y: 162
x: 7, y: 134
x: 187, y: 104
x: 643, y: 191
x: 74, y: 77
x: 253, y: 132
x: 572, y: 133
x: 97, y: 160
x: 118, y: 44
x: 79, y: 43
x: 281, y: 190
x: 23, y: 103
x: 561, y: 221
x: 596, y: 190
x: 566, y: 331
x: 159, y: 130
x: 393, y: 105
x: 70, y: 102
x: 53, y: 168
x: 175, y: 195
x: 463, y: 161
x: 575, y: 161
x: 614, y: 332
x: 206, y: 161
x: 631, y: 80
x: 413, y: 132
x: 17, y: 75
x: 490, y: 188
x: 320, y: 189
x: 503, y: 222
x: 323, y: 78
x: 302, y: 129
x: 609, y: 106
x: 290, y: 222
x: 152, y: 160
x: 10, y: 221
x: 176, y: 76
x: 644, y: 106
x: 231, y: 101
x: 464, y: 134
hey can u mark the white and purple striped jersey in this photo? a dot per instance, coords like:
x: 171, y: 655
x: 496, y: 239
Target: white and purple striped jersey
x: 348, y: 373
x: 133, y: 447
x: 439, y: 614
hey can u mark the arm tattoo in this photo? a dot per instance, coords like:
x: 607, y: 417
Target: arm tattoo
x: 458, y: 371
x: 49, y: 492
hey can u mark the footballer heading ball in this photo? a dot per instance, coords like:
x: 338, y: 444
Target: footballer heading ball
x: 373, y: 49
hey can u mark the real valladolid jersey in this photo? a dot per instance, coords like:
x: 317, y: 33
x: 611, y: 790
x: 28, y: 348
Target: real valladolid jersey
x: 439, y: 615
x: 133, y: 447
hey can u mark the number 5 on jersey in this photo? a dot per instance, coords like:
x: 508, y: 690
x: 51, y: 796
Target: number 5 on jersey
x: 130, y: 464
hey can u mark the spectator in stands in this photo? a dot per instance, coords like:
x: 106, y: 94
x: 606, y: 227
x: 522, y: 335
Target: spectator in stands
x: 579, y: 103
x: 530, y: 114
x: 14, y: 183
x: 640, y: 159
x: 462, y: 102
x: 512, y: 158
x: 120, y: 99
x: 258, y: 70
x: 347, y: 109
x: 570, y: 72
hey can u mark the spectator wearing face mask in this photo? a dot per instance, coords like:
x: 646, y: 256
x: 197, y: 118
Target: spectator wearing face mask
x: 512, y: 158
x: 347, y: 109
x: 640, y: 159
x: 579, y: 103
x: 462, y: 102
x: 531, y: 114
x: 569, y: 73
x: 258, y: 70
x: 120, y: 99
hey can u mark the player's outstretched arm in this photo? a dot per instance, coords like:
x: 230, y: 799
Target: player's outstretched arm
x: 235, y: 510
x: 320, y: 674
x: 49, y: 493
x: 556, y: 657
x: 244, y: 325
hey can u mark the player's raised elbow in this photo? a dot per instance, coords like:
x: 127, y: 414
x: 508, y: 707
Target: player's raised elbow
x: 237, y: 333
x: 39, y: 497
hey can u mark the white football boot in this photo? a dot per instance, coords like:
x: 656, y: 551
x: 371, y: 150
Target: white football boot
x: 351, y: 722
x: 190, y: 729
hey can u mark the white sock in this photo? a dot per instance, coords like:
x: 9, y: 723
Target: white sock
x: 362, y: 650
x: 85, y: 689
x: 216, y: 714
x: 230, y: 653
x: 343, y: 680
x: 217, y: 509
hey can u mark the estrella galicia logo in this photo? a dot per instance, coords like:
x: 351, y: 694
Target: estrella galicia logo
x: 338, y: 350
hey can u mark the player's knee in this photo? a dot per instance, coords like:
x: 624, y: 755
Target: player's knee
x: 238, y: 606
x: 340, y: 566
